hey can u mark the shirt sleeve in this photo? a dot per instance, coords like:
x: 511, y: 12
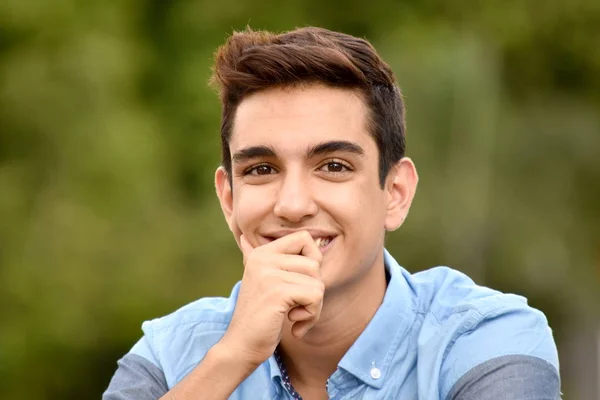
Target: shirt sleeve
x: 507, y: 378
x: 137, y: 377
x: 475, y: 359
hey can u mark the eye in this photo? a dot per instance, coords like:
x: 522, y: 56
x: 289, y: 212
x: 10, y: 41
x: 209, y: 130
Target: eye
x: 334, y: 167
x: 260, y: 170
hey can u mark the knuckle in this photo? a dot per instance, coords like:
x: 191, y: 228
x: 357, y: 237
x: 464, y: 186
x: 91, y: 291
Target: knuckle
x: 314, y: 266
x: 319, y: 258
x: 318, y: 291
x: 306, y: 236
x: 321, y: 286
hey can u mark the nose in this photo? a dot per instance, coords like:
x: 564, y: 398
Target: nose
x: 294, y: 198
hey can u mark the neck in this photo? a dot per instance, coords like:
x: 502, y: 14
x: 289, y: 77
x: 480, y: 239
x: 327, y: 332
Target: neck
x: 346, y: 312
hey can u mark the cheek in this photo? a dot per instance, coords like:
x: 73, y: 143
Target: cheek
x: 250, y: 206
x: 354, y: 202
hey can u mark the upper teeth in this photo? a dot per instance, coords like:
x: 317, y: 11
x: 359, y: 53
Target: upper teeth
x: 322, y: 242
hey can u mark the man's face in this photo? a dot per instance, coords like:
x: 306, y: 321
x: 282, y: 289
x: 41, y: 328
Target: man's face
x: 303, y: 159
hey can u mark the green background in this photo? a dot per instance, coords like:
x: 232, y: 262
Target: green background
x: 109, y: 137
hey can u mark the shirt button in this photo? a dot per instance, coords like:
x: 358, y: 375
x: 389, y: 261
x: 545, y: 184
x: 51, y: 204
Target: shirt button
x: 375, y: 373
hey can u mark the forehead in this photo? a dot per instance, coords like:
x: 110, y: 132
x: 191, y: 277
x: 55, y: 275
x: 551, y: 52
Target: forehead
x: 293, y: 118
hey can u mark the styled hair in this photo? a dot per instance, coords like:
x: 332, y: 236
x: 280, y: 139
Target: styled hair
x: 252, y: 61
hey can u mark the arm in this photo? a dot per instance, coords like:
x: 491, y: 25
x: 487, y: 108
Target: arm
x: 507, y: 353
x: 281, y: 280
x: 216, y: 377
x: 509, y: 377
x: 273, y: 284
x: 136, y: 378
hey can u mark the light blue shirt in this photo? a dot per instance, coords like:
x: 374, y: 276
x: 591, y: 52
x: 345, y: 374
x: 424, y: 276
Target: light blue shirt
x: 436, y: 335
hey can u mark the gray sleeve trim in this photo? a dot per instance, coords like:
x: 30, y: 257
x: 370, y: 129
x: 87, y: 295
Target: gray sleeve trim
x: 507, y: 378
x: 136, y: 378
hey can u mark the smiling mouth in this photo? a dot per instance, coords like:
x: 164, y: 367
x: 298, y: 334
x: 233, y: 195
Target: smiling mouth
x: 321, y: 242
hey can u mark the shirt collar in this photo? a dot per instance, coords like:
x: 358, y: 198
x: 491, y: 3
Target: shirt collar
x: 274, y: 367
x: 368, y: 359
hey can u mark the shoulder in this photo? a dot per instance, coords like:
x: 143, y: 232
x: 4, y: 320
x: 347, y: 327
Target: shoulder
x: 178, y: 341
x: 445, y: 293
x: 210, y: 311
x: 467, y: 325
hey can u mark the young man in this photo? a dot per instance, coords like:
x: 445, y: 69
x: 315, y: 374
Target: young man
x: 313, y: 175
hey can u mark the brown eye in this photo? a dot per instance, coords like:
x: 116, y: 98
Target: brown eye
x: 261, y: 170
x: 335, y: 167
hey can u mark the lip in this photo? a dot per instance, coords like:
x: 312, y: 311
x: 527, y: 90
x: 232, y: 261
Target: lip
x: 315, y: 233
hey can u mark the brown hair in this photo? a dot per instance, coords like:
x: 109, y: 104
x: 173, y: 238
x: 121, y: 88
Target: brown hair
x: 251, y: 61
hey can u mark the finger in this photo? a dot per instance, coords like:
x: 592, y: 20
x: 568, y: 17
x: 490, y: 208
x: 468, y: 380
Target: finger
x: 301, y: 328
x: 297, y: 265
x: 297, y: 243
x: 299, y: 313
x: 309, y: 296
x: 246, y: 248
x: 300, y: 277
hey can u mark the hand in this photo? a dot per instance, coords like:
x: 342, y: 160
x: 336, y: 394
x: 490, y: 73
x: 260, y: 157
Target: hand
x: 281, y: 280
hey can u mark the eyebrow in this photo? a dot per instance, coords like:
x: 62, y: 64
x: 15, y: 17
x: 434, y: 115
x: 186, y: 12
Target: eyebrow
x: 252, y: 152
x: 335, y: 146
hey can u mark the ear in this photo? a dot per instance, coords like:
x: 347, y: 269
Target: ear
x: 225, y: 195
x: 400, y: 185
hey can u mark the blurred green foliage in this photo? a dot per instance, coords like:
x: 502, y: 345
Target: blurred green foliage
x: 109, y: 140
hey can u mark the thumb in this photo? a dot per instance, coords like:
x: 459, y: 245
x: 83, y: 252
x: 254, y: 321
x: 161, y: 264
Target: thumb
x: 245, y: 247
